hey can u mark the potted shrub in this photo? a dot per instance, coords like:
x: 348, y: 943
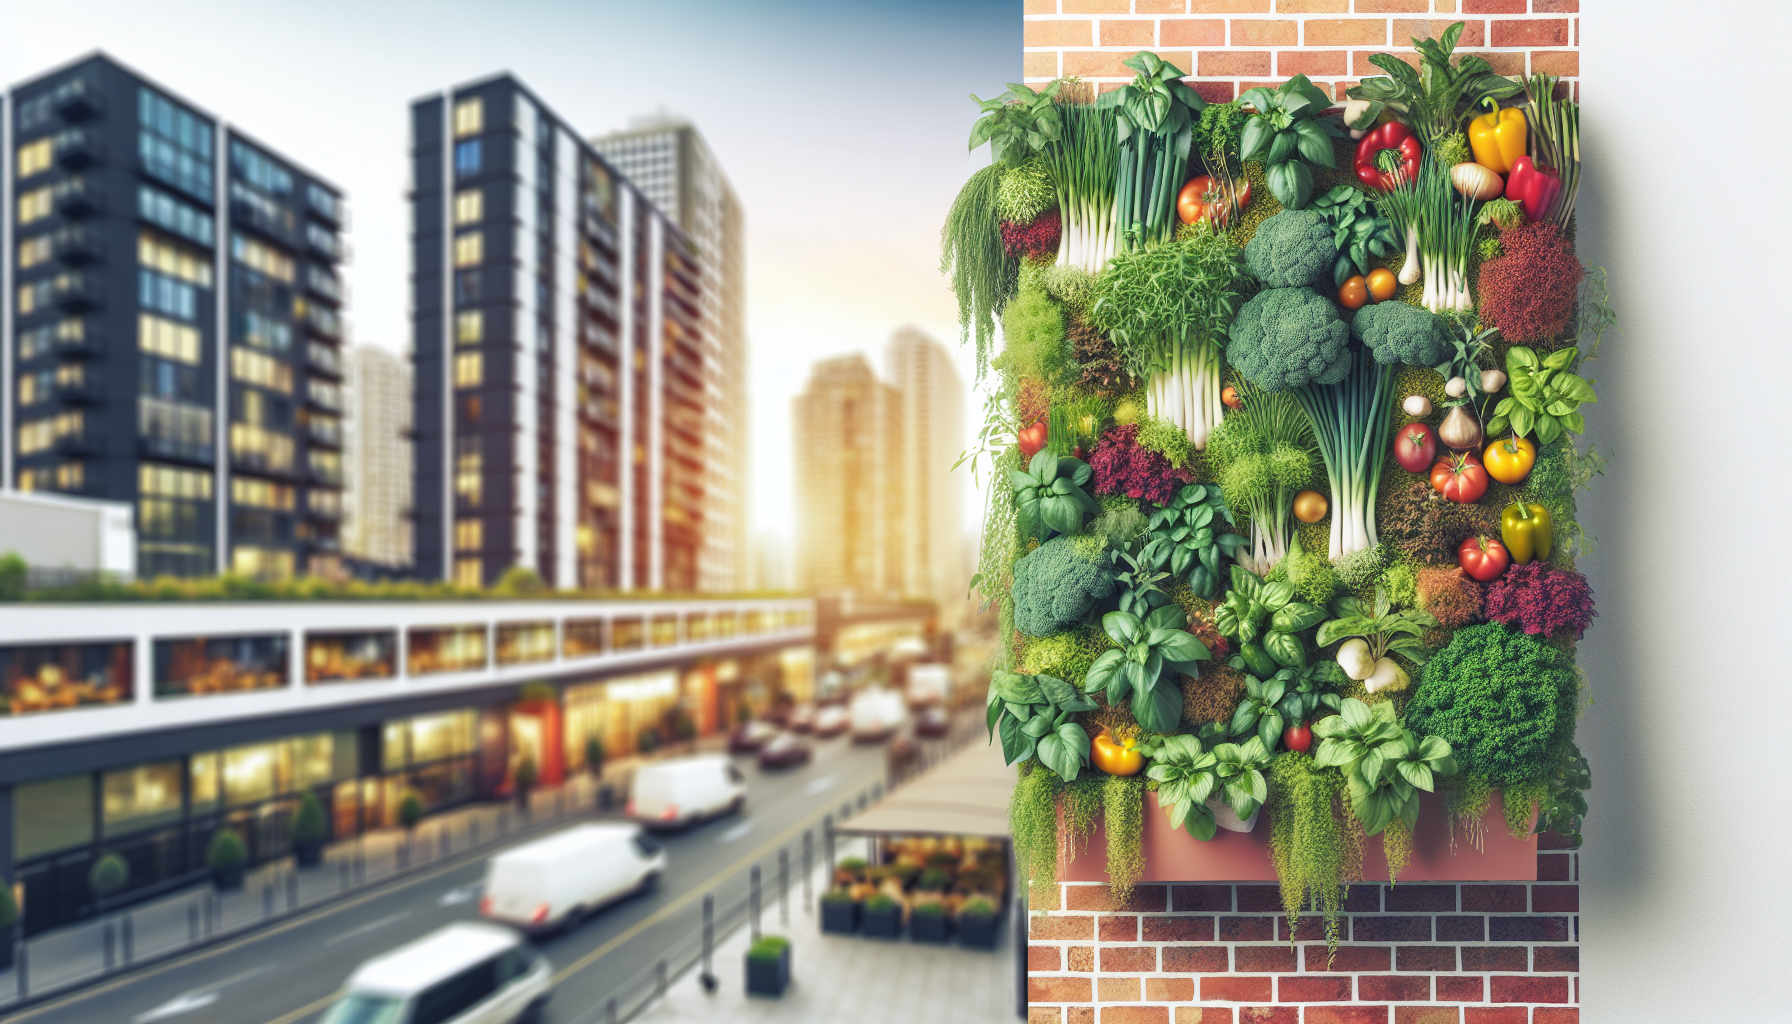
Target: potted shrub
x: 839, y: 912
x: 226, y: 858
x: 410, y: 812
x: 768, y: 966
x: 849, y: 870
x: 883, y: 917
x: 526, y: 777
x: 927, y: 922
x: 977, y: 923
x: 309, y: 830
x: 108, y: 877
x: 9, y: 919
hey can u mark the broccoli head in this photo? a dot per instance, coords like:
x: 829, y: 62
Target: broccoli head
x: 1399, y: 333
x: 1057, y: 583
x: 1289, y: 337
x: 1293, y: 249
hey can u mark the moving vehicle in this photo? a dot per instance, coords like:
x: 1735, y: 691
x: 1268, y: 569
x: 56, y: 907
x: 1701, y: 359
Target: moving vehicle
x: 750, y: 736
x: 832, y: 720
x: 802, y: 718
x: 466, y: 972
x: 675, y: 793
x: 933, y: 723
x: 929, y: 685
x: 783, y: 751
x: 553, y: 881
x: 876, y: 715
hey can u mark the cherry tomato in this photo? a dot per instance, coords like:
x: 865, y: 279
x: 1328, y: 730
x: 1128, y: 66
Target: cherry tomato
x: 1298, y: 737
x: 1354, y: 292
x: 1033, y: 438
x: 1229, y: 395
x: 1382, y: 284
x: 1415, y: 447
x: 1460, y: 478
x: 1510, y: 460
x: 1483, y: 558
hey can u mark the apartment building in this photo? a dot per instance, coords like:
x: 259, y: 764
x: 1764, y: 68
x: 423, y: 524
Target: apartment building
x: 376, y: 525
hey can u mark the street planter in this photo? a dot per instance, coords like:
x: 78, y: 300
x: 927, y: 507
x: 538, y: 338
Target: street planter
x: 883, y: 918
x: 928, y: 923
x: 768, y: 967
x: 228, y: 879
x: 840, y: 916
x: 977, y: 923
x: 308, y: 855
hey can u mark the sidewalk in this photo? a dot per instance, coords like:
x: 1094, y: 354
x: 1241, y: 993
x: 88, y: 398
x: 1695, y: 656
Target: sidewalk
x: 837, y: 978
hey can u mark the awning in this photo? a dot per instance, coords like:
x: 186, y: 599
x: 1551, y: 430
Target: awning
x: 965, y: 795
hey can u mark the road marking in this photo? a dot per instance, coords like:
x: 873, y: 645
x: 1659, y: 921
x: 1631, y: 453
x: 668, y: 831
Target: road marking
x: 355, y: 933
x: 455, y: 897
x: 821, y: 785
x: 735, y: 832
x: 196, y: 999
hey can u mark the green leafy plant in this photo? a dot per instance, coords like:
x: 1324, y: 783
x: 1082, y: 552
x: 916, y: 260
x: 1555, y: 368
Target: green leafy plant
x: 1142, y: 582
x: 1031, y: 714
x: 309, y: 827
x: 1123, y: 816
x: 1033, y: 821
x: 1309, y: 842
x: 1188, y: 531
x: 1240, y: 767
x: 1018, y: 123
x: 109, y: 876
x: 1025, y: 192
x: 1152, y: 651
x: 1358, y: 230
x: 1385, y: 766
x: 1545, y: 398
x: 977, y: 907
x: 1186, y: 775
x: 1468, y: 349
x: 1058, y: 583
x: 1289, y: 697
x: 983, y: 275
x: 767, y: 949
x: 1050, y: 494
x: 1262, y: 456
x: 1563, y: 804
x: 410, y: 809
x: 1265, y: 619
x: 1386, y: 630
x: 9, y: 910
x: 1505, y: 701
x: 1157, y: 115
x: 1287, y: 134
x: 1436, y: 97
x: 1084, y: 163
x: 1353, y: 423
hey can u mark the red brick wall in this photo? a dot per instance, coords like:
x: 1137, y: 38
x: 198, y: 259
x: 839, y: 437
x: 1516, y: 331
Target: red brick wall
x: 1461, y: 953
x: 1232, y: 45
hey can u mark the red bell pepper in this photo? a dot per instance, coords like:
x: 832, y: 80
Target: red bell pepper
x: 1532, y: 187
x: 1392, y: 135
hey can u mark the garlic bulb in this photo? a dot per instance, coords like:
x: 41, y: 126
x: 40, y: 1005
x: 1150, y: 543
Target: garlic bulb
x: 1417, y: 406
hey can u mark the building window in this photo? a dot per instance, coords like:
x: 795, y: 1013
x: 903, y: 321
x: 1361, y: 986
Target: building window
x: 165, y: 211
x: 469, y: 249
x: 174, y: 145
x: 174, y: 259
x: 255, y: 368
x: 39, y: 435
x: 52, y: 677
x: 466, y: 287
x: 525, y: 641
x: 34, y: 158
x: 164, y: 294
x: 162, y: 337
x: 469, y: 206
x: 343, y: 656
x: 468, y: 470
x: 174, y: 482
x: 52, y: 815
x: 469, y: 370
x: 36, y: 204
x: 253, y: 254
x: 445, y: 649
x: 261, y: 494
x: 468, y: 573
x: 261, y: 563
x: 467, y: 157
x: 141, y: 797
x: 64, y: 476
x: 258, y: 170
x: 469, y: 327
x: 265, y: 332
x: 469, y: 117
x: 469, y: 534
x: 582, y: 637
x: 204, y: 665
x: 33, y: 251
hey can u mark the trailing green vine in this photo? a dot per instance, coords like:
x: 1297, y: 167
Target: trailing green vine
x: 1519, y: 800
x: 983, y: 276
x: 1396, y: 842
x: 1083, y: 801
x: 1123, y: 807
x: 1307, y: 841
x: 1033, y: 821
x: 1465, y: 805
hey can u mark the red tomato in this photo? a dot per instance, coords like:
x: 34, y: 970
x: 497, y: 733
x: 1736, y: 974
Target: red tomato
x: 1484, y: 558
x: 1032, y: 439
x: 1191, y: 207
x: 1460, y: 478
x: 1415, y: 447
x: 1298, y: 737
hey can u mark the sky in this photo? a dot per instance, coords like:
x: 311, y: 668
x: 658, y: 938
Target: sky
x: 842, y: 124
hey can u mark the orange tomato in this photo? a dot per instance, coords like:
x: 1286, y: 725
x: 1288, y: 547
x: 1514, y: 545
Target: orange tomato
x: 1354, y: 293
x: 1510, y: 459
x: 1229, y: 395
x: 1191, y: 207
x: 1382, y: 284
x: 1309, y: 506
x: 1114, y: 757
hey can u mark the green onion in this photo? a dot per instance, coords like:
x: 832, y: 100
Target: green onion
x: 1353, y: 423
x: 1082, y: 164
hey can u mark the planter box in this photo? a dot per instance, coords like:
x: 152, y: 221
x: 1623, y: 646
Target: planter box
x: 769, y: 977
x: 841, y: 918
x: 1172, y: 855
x: 929, y: 927
x: 980, y: 931
x: 883, y: 924
x: 229, y: 881
x: 309, y: 855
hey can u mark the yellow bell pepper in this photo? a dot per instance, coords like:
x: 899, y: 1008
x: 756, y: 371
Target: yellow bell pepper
x: 1497, y: 137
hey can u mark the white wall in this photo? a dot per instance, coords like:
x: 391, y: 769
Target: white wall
x: 1684, y: 890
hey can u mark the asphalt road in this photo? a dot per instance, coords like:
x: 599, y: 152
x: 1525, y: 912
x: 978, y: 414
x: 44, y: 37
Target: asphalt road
x: 288, y: 973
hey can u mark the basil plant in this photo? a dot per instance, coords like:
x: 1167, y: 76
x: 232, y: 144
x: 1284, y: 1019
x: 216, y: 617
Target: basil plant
x: 1153, y: 650
x: 1032, y: 715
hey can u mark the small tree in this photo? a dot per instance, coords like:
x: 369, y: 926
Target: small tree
x: 108, y: 876
x: 526, y: 777
x: 684, y: 727
x: 225, y: 856
x: 309, y: 828
x: 518, y: 580
x: 649, y: 740
x: 9, y: 910
x: 594, y: 755
x: 410, y: 810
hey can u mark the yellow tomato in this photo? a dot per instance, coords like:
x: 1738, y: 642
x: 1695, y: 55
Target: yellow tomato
x: 1509, y: 460
x: 1114, y: 757
x: 1309, y: 506
x: 1382, y: 284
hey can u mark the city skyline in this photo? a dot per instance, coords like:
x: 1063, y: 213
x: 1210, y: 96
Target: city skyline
x: 814, y: 290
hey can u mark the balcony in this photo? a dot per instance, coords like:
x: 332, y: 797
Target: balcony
x: 78, y: 393
x: 76, y: 246
x: 173, y: 449
x: 77, y: 292
x: 74, y: 101
x: 77, y: 444
x: 76, y: 198
x: 77, y: 148
x: 323, y: 359
x: 327, y: 433
x: 90, y: 345
x: 323, y: 241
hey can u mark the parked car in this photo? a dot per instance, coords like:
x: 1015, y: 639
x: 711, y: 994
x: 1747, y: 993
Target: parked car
x: 832, y: 720
x: 928, y: 685
x: 467, y: 972
x: 556, y: 880
x: 783, y: 751
x: 801, y: 718
x: 750, y: 736
x: 934, y: 723
x: 876, y: 715
x: 675, y: 793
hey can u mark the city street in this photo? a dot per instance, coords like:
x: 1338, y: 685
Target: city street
x: 288, y: 973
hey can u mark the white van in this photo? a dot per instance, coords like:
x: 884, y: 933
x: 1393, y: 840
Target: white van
x: 555, y: 880
x: 928, y: 685
x: 669, y: 794
x: 464, y: 973
x: 876, y: 715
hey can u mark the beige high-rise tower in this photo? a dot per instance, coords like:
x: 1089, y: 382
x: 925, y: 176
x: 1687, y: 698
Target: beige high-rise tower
x: 931, y: 495
x: 377, y: 525
x: 846, y: 437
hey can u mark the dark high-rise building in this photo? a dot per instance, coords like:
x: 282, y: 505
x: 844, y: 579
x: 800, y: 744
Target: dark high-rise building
x: 558, y: 343
x: 172, y: 323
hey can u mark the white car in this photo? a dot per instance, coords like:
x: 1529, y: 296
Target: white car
x: 876, y: 715
x: 466, y: 972
x: 832, y: 720
x: 554, y: 881
x: 672, y: 794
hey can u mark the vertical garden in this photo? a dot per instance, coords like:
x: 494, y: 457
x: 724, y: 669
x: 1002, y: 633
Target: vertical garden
x: 1283, y: 417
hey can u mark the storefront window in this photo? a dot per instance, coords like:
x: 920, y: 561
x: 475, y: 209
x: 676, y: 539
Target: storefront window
x: 343, y: 656
x: 396, y: 752
x: 520, y: 642
x: 203, y: 769
x: 438, y: 737
x: 583, y: 637
x: 445, y: 649
x: 756, y: 622
x: 52, y: 677
x: 312, y: 760
x: 795, y: 618
x: 141, y: 797
x: 585, y: 715
x: 220, y: 664
x: 665, y: 630
x: 727, y: 623
x: 252, y: 773
x: 627, y: 634
x: 52, y: 815
x: 696, y: 627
